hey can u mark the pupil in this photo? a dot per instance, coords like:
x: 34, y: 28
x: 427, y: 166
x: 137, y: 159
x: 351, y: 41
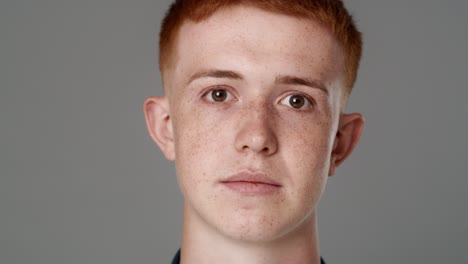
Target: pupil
x: 219, y: 95
x: 296, y: 101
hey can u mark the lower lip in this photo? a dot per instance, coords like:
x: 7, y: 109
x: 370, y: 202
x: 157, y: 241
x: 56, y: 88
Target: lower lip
x: 252, y: 188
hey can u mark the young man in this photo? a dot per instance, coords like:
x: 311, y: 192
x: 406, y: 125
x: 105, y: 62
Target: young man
x: 253, y: 116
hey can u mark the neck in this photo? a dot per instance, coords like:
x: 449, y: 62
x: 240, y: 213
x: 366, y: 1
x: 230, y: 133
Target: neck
x: 201, y: 243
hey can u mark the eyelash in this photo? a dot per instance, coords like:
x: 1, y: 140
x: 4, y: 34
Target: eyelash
x: 210, y: 90
x: 308, y: 99
x: 207, y: 92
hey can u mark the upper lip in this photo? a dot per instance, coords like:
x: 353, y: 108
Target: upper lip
x: 253, y: 177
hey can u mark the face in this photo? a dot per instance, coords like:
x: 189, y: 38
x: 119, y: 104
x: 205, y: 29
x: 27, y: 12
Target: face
x: 252, y: 117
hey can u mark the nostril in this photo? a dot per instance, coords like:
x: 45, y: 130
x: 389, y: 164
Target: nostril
x: 265, y: 149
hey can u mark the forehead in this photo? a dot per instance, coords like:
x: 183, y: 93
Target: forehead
x: 251, y: 40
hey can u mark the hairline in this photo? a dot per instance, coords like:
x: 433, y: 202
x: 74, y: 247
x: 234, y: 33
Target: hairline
x: 171, y: 55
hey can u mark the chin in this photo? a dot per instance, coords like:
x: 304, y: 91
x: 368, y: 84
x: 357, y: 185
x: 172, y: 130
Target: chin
x: 254, y: 229
x: 252, y: 234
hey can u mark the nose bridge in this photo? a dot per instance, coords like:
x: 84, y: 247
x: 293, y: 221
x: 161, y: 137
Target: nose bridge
x: 258, y: 110
x: 257, y: 115
x: 256, y: 128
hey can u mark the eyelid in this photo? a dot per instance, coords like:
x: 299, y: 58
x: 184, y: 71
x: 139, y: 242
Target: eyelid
x: 309, y: 102
x: 207, y: 91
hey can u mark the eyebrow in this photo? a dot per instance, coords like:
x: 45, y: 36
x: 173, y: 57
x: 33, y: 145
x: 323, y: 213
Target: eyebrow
x: 293, y: 80
x: 216, y: 74
x: 280, y: 79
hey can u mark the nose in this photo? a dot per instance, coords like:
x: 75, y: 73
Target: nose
x: 256, y: 131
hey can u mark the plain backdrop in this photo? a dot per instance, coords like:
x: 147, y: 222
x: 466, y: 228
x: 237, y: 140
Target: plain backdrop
x: 82, y: 182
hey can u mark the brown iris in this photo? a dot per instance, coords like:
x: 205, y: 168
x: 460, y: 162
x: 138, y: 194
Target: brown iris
x: 297, y: 101
x: 219, y: 95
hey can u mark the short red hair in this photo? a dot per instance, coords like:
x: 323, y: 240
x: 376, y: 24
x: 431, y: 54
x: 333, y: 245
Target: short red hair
x: 331, y: 13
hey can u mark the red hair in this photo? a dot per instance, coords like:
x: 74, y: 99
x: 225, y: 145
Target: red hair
x: 331, y: 13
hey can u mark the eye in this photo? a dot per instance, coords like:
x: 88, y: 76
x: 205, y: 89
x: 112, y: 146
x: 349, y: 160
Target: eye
x: 296, y: 101
x: 218, y: 95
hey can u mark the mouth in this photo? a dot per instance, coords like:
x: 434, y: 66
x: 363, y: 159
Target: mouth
x: 247, y: 183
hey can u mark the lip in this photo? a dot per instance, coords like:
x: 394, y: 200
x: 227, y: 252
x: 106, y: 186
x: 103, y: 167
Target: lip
x: 248, y: 183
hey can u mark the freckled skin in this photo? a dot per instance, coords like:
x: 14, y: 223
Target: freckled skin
x: 260, y: 46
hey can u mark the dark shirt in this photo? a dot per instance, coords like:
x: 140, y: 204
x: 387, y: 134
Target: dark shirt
x: 176, y: 259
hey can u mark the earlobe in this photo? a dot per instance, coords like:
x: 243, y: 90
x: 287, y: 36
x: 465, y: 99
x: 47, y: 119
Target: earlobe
x: 159, y: 124
x: 347, y: 136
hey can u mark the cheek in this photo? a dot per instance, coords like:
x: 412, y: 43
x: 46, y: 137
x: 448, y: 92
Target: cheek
x: 195, y: 129
x: 307, y: 149
x: 307, y: 136
x: 198, y: 140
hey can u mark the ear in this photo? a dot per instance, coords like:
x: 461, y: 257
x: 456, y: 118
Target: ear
x: 159, y: 123
x: 347, y: 136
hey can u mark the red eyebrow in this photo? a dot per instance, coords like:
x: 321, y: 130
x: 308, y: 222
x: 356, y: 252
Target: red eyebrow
x: 293, y: 80
x: 216, y: 74
x: 281, y: 79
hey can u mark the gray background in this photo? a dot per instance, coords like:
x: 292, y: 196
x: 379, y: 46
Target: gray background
x: 81, y: 181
